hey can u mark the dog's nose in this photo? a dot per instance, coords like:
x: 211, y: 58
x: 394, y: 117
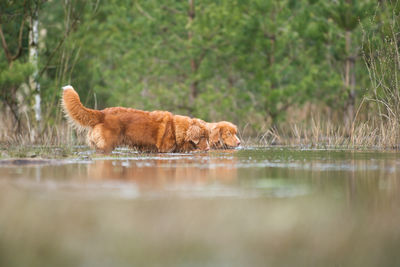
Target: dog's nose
x: 237, y: 141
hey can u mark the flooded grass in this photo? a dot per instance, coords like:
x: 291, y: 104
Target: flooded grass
x: 57, y: 152
x: 245, y: 207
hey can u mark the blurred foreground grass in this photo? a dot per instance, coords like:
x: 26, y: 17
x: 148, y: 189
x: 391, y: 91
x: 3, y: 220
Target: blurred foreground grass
x: 68, y: 229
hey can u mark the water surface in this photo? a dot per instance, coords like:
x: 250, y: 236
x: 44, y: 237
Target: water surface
x: 245, y: 207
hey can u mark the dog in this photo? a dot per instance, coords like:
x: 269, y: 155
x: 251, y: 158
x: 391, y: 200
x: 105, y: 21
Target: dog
x: 158, y: 131
x: 191, y: 134
x: 223, y: 135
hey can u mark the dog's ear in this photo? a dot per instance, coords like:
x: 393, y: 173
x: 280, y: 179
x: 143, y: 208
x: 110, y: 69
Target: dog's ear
x: 215, y: 135
x: 193, y: 134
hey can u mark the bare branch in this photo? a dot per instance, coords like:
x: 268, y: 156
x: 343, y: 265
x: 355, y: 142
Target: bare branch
x: 4, y: 45
x: 9, y: 56
x: 21, y: 30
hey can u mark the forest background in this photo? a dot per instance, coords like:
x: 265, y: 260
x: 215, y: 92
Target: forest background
x: 303, y: 70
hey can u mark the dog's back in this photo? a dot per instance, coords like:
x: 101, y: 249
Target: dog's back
x: 145, y: 130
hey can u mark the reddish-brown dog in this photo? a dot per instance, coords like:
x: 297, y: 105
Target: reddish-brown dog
x: 223, y: 135
x: 191, y: 134
x: 159, y: 131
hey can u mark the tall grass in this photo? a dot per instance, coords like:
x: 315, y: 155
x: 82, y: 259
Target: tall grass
x: 327, y: 134
x: 52, y: 134
x: 382, y: 60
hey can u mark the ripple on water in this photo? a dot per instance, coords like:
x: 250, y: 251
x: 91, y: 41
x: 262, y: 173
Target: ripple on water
x: 239, y: 173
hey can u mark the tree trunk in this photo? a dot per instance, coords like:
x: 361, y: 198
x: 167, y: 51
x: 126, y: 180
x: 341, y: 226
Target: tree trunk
x: 193, y: 63
x: 350, y: 81
x: 12, y: 103
x: 272, y: 39
x: 33, y: 59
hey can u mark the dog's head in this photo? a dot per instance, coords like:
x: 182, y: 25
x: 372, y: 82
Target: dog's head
x: 224, y: 135
x: 198, y: 135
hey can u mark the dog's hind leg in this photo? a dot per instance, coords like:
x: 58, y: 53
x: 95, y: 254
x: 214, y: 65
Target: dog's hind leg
x: 102, y: 139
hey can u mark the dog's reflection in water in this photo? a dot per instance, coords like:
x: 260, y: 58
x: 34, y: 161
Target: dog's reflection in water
x: 159, y: 174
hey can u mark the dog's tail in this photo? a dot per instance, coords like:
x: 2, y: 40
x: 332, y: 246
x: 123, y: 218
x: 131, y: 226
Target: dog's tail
x: 76, y: 112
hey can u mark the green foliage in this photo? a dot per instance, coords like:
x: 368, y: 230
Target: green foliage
x: 245, y: 61
x: 348, y: 13
x: 15, y: 75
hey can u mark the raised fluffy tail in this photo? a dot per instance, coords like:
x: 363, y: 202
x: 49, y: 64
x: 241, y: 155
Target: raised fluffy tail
x: 76, y: 112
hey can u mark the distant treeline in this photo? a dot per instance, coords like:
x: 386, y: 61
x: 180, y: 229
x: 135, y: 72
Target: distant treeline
x: 255, y: 63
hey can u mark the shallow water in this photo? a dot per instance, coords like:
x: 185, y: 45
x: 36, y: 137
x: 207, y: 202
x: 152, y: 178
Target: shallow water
x: 245, y: 207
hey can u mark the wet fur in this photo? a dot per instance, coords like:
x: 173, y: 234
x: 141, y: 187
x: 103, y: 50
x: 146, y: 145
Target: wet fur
x: 191, y: 134
x: 159, y: 131
x: 223, y: 134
